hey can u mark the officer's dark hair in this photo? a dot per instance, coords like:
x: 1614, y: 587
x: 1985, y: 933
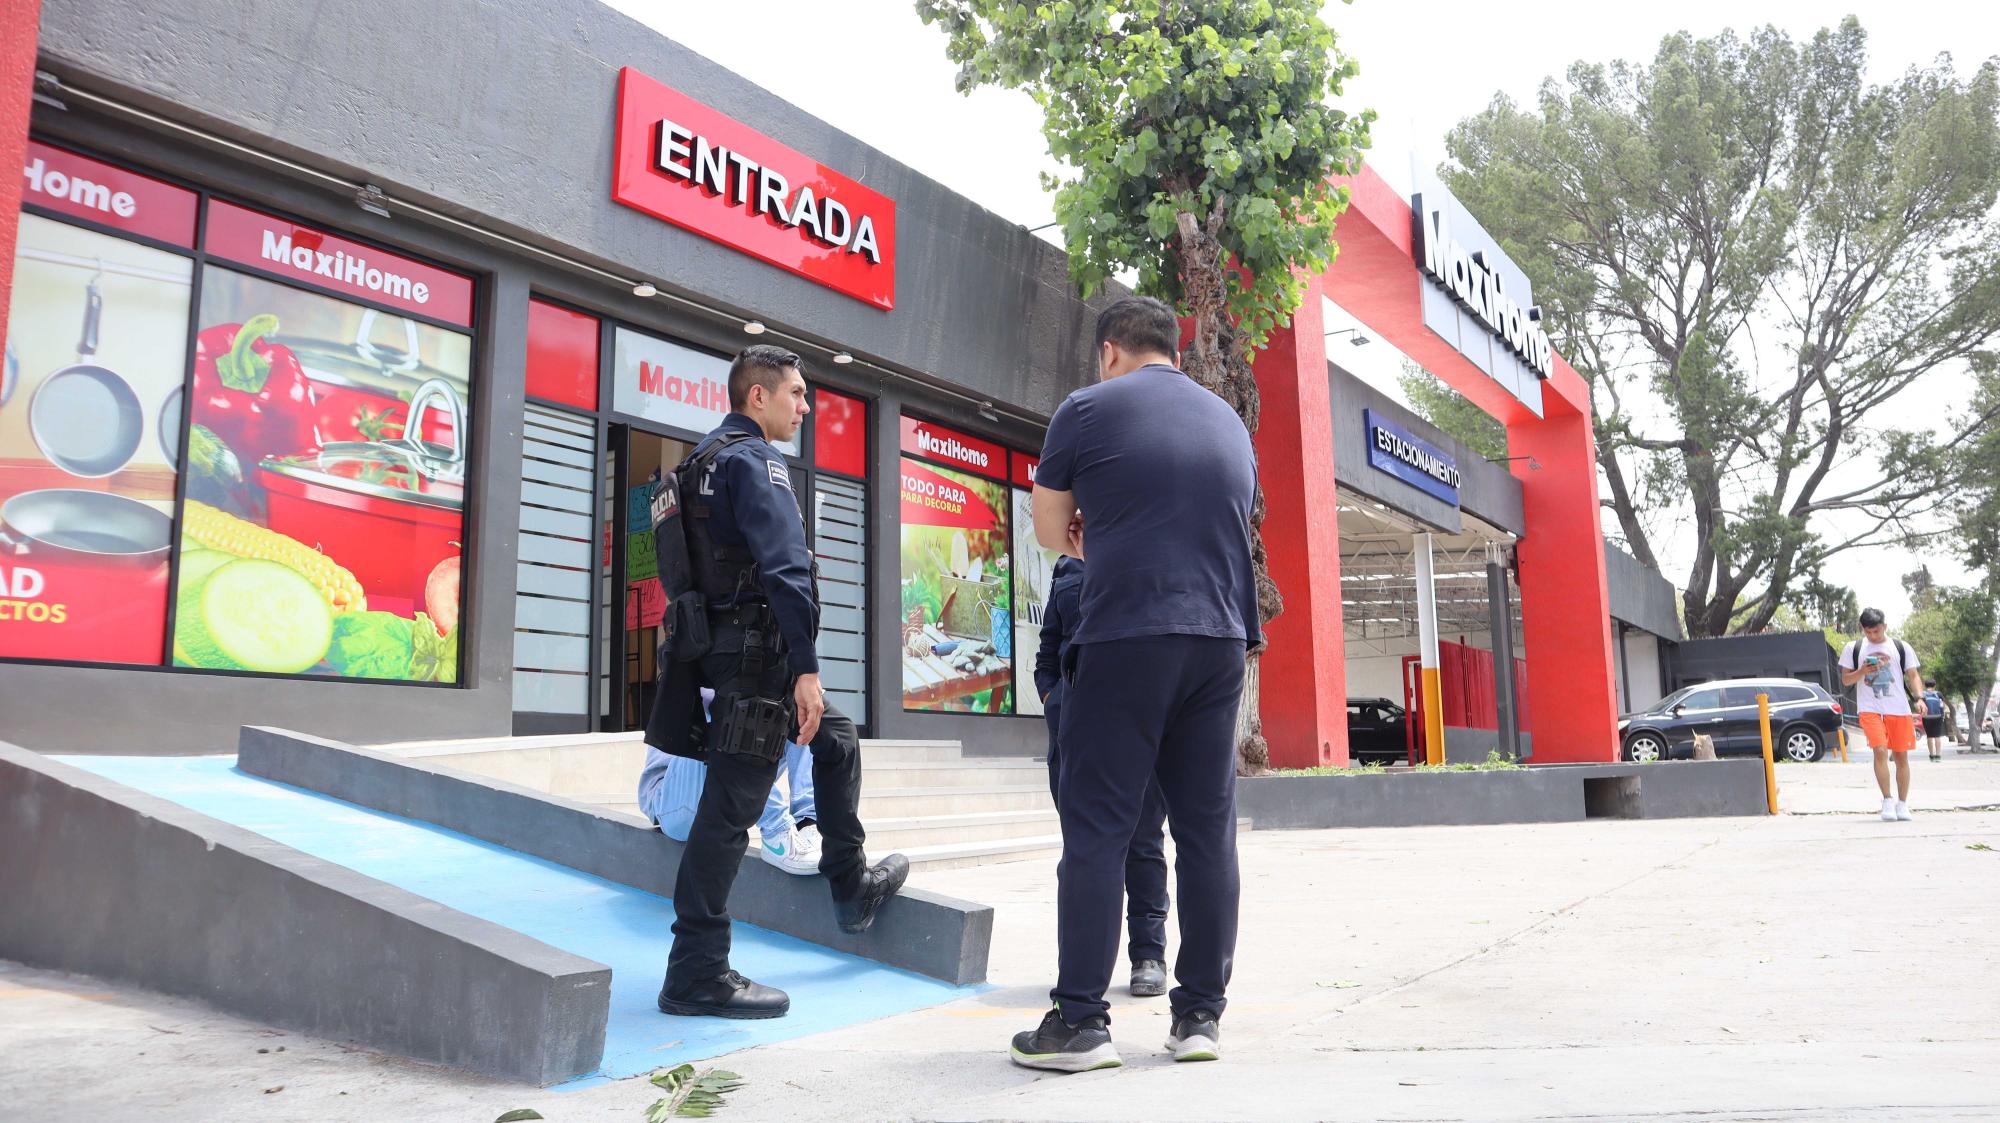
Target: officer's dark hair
x: 1871, y: 617
x: 1141, y: 325
x: 760, y: 365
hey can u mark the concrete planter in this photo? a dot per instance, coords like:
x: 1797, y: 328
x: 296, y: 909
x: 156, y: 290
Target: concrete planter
x: 1539, y: 794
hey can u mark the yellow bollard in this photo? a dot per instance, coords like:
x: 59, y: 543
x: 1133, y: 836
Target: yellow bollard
x: 1842, y: 733
x: 1770, y: 766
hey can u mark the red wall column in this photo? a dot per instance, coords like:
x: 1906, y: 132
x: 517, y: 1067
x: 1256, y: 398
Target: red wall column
x: 1572, y: 710
x: 20, y: 25
x: 1304, y: 672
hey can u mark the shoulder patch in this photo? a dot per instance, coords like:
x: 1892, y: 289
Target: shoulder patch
x: 779, y: 475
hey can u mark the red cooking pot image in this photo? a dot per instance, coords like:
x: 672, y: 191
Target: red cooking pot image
x: 388, y: 510
x: 83, y: 575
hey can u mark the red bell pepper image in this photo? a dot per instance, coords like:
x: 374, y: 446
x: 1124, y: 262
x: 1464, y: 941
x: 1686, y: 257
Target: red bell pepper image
x: 253, y: 393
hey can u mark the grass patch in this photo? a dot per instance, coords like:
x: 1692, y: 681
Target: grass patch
x: 1494, y: 762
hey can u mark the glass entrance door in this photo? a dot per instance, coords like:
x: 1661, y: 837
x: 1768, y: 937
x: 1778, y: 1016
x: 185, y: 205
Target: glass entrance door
x: 632, y: 641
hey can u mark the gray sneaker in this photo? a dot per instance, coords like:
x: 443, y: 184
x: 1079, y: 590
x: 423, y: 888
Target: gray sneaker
x: 1195, y: 1037
x: 1056, y: 1046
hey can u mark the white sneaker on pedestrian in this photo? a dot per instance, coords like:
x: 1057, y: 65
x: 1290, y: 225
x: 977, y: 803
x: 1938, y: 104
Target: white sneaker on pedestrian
x: 785, y: 852
x: 1903, y: 810
x: 809, y: 844
x: 1888, y: 810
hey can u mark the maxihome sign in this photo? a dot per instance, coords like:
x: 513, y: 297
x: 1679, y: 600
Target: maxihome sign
x: 1480, y: 286
x: 1394, y: 450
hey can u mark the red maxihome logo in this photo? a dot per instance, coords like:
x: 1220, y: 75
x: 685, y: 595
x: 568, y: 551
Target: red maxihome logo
x: 679, y: 160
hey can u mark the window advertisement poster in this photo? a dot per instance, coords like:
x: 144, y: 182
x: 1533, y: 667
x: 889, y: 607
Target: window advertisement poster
x: 1034, y: 569
x: 957, y: 591
x: 90, y: 423
x: 327, y: 453
x: 645, y: 598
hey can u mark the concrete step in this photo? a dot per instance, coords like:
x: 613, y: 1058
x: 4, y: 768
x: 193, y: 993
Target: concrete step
x: 910, y: 752
x: 881, y: 802
x: 951, y: 856
x: 938, y: 830
x: 970, y: 772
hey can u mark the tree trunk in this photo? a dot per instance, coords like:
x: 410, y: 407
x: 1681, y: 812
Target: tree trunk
x: 1216, y: 358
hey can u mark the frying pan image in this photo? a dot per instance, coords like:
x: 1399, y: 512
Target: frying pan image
x: 85, y: 418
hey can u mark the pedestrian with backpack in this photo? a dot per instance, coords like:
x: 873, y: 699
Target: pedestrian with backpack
x: 1934, y: 720
x: 1884, y: 675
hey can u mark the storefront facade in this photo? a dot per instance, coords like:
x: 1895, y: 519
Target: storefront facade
x: 476, y: 572
x: 391, y: 384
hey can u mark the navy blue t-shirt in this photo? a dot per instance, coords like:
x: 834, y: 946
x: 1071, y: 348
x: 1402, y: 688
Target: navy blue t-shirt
x: 1164, y: 474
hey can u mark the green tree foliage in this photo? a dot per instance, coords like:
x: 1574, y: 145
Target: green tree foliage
x: 1952, y: 633
x: 1674, y: 214
x: 1978, y: 511
x: 1199, y: 146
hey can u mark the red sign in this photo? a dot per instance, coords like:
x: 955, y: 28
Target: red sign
x: 85, y: 188
x: 681, y: 161
x: 1024, y: 468
x: 562, y: 355
x: 336, y: 264
x: 932, y: 499
x: 960, y: 450
x: 840, y: 433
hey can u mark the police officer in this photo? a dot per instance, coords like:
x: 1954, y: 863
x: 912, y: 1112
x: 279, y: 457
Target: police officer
x: 1165, y: 477
x: 747, y: 546
x: 1146, y: 860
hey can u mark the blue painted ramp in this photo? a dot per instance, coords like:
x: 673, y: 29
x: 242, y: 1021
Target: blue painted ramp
x: 623, y: 928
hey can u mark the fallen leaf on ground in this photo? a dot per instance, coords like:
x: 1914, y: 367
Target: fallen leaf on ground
x: 269, y: 1091
x: 519, y: 1114
x: 1343, y: 984
x: 1978, y: 846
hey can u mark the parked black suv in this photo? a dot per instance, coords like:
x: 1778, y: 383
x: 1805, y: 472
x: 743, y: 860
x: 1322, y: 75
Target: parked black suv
x: 1375, y: 733
x: 1804, y: 720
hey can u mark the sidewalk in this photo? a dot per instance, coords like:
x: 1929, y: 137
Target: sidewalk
x: 1807, y: 966
x: 1961, y: 781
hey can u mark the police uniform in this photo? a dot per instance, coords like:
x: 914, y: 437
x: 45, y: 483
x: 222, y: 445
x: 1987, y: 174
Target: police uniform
x: 1146, y: 859
x: 746, y: 537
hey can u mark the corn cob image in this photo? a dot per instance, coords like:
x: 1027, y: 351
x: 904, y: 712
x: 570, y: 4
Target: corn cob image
x: 219, y: 530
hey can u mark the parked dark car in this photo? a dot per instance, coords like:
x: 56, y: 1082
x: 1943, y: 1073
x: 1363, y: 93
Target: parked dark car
x: 1375, y: 731
x: 1805, y: 720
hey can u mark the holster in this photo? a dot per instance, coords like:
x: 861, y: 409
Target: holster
x: 752, y: 727
x: 686, y: 635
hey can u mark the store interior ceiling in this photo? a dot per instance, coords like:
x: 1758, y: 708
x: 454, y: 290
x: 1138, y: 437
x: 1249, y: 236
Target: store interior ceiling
x: 1378, y: 578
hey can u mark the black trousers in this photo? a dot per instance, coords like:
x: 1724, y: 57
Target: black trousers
x: 1139, y: 710
x: 731, y: 799
x: 1145, y: 861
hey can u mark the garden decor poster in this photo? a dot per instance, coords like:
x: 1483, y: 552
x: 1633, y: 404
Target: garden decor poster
x: 957, y: 591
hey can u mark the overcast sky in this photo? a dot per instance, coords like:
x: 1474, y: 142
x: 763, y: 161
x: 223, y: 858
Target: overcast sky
x: 871, y: 69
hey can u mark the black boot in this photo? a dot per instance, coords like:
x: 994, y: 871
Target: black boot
x: 1149, y: 978
x: 878, y: 884
x: 729, y: 995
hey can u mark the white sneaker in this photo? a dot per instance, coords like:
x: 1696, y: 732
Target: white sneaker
x: 809, y: 844
x: 1888, y: 810
x: 1903, y: 810
x: 785, y: 852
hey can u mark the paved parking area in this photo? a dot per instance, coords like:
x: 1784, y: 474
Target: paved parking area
x: 1816, y: 965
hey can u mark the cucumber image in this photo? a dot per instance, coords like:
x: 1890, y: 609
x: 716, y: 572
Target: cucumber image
x: 255, y: 616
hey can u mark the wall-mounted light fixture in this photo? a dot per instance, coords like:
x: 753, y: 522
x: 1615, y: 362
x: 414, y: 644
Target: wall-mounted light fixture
x: 1359, y: 339
x: 644, y: 288
x: 753, y: 327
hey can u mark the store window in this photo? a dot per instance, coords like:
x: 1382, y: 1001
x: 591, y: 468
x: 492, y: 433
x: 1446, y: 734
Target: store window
x: 90, y: 410
x: 327, y: 451
x: 957, y: 589
x: 1034, y: 569
x: 840, y: 543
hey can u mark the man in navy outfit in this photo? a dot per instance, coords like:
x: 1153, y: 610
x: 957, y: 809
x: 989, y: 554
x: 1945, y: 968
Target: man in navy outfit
x: 1146, y: 861
x: 1164, y: 475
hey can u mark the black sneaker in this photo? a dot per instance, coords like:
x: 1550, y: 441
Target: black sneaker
x: 1055, y: 1046
x: 1149, y: 978
x: 1195, y: 1037
x: 878, y: 884
x: 728, y: 995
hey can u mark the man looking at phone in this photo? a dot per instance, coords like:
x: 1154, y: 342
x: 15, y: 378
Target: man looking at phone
x: 1886, y: 671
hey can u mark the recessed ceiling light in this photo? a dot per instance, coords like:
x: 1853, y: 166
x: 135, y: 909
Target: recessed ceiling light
x: 754, y: 327
x: 842, y: 358
x: 644, y: 288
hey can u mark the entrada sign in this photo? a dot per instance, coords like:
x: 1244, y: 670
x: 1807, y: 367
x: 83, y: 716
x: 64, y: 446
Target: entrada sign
x: 1480, y: 287
x: 1417, y: 462
x: 682, y: 161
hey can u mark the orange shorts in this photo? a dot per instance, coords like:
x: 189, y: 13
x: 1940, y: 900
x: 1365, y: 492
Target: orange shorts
x: 1895, y: 732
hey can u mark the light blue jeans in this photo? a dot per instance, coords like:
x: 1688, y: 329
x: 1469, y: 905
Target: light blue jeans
x: 672, y: 798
